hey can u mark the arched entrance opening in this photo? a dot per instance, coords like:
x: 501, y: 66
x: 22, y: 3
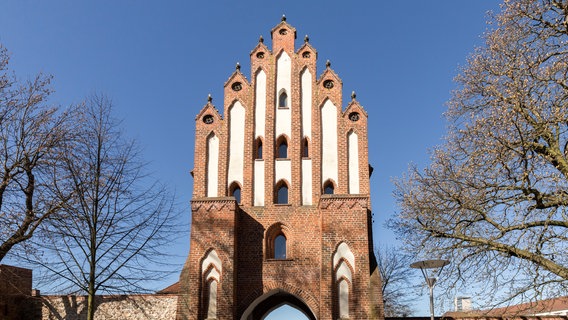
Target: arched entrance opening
x: 286, y: 312
x: 260, y: 308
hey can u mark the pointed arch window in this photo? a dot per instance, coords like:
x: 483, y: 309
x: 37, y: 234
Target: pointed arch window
x: 305, y: 147
x: 282, y: 147
x: 280, y: 247
x: 258, y: 148
x: 281, y: 193
x: 328, y: 187
x: 283, y: 100
x: 277, y: 242
x: 235, y: 191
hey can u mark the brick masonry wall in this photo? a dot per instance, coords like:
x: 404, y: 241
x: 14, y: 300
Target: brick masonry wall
x: 15, y: 293
x: 123, y: 307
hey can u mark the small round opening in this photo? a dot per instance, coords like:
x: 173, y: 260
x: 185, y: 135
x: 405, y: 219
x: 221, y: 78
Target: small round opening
x: 328, y: 84
x: 208, y: 119
x: 354, y: 116
x: 237, y: 86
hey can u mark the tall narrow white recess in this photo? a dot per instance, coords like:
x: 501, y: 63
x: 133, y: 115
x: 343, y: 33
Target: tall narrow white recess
x: 259, y: 132
x: 283, y: 84
x: 236, y: 143
x: 353, y: 142
x: 307, y: 133
x: 282, y: 168
x: 329, y: 142
x: 260, y: 106
x: 212, y: 165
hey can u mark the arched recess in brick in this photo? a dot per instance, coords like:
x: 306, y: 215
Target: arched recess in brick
x: 282, y: 147
x: 212, y: 164
x: 353, y: 158
x: 211, y: 269
x: 328, y: 187
x: 343, y: 268
x: 281, y: 190
x: 273, y: 299
x: 305, y: 147
x: 237, y: 117
x: 274, y: 247
x: 258, y: 148
x: 235, y: 191
x: 329, y: 143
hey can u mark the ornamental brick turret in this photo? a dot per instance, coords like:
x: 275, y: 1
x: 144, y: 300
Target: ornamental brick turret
x: 281, y: 205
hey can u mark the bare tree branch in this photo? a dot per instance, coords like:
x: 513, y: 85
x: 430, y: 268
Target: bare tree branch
x: 111, y: 235
x: 31, y: 135
x: 494, y: 198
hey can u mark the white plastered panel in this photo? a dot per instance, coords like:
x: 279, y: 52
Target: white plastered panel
x: 343, y: 271
x: 212, y: 165
x: 353, y: 142
x: 212, y: 307
x: 212, y: 258
x: 306, y: 182
x: 329, y: 142
x: 307, y: 103
x: 344, y: 252
x: 283, y: 170
x: 236, y: 143
x: 260, y: 107
x: 283, y: 82
x: 259, y: 182
x: 343, y: 299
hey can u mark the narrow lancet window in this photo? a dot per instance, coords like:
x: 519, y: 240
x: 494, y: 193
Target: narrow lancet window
x: 280, y: 247
x: 235, y: 191
x: 282, y: 148
x: 305, y: 147
x: 282, y: 193
x: 283, y: 100
x: 328, y: 187
x: 258, y: 154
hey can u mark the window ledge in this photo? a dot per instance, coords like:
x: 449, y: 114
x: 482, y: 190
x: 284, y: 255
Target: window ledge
x: 282, y: 159
x: 276, y: 260
x: 283, y: 204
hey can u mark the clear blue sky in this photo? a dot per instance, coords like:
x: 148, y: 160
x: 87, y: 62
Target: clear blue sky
x: 158, y: 60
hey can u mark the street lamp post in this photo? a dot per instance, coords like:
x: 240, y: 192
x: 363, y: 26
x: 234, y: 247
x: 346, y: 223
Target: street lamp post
x: 430, y: 278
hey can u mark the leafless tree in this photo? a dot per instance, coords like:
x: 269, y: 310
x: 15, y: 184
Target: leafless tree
x: 31, y: 134
x: 111, y: 235
x: 494, y: 199
x: 398, y: 287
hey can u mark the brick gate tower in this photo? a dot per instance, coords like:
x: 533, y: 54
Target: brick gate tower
x: 281, y: 207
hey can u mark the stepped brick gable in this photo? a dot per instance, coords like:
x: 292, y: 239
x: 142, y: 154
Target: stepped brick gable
x: 281, y: 205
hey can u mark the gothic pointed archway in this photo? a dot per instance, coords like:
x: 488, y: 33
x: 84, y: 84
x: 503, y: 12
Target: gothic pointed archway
x: 272, y: 300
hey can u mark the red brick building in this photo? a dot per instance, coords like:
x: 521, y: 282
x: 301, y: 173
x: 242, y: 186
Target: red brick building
x: 281, y: 205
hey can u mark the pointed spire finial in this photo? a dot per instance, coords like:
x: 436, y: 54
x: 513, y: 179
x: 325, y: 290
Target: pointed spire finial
x: 353, y: 95
x: 306, y: 39
x: 238, y: 66
x: 261, y: 39
x: 327, y: 64
x: 209, y: 98
x: 283, y: 17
